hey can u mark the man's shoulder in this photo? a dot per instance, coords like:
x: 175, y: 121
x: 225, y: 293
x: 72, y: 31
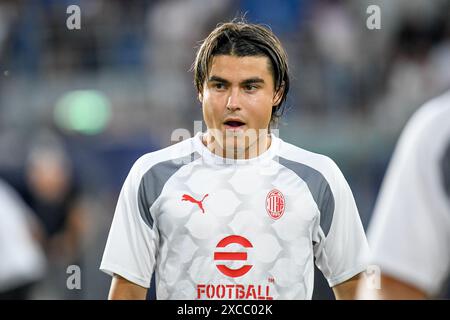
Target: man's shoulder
x: 174, y: 154
x: 427, y: 131
x: 316, y: 161
x: 432, y: 117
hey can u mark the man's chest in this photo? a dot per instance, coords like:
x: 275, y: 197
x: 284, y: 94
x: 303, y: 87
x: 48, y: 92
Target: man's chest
x: 205, y: 202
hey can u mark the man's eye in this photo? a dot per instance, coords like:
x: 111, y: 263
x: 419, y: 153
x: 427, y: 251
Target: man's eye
x: 251, y: 87
x: 219, y: 86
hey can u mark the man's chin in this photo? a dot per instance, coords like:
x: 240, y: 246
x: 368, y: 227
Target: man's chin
x: 235, y: 142
x: 235, y: 132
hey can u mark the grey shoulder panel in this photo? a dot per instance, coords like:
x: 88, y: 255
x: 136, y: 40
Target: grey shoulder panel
x: 153, y: 181
x: 319, y: 188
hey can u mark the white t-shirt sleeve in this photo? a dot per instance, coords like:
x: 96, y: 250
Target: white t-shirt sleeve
x: 131, y: 246
x: 341, y: 253
x: 409, y: 232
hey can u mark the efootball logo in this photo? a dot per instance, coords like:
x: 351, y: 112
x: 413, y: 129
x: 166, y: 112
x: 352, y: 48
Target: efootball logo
x: 232, y: 256
x: 233, y: 291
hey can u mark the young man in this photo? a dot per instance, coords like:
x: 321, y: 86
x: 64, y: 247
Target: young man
x: 235, y: 212
x: 410, y: 231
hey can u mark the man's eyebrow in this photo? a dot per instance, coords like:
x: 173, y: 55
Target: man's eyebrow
x: 252, y: 80
x: 217, y: 79
x: 244, y: 82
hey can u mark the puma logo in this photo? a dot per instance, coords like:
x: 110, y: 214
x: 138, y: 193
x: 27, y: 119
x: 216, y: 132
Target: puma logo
x: 190, y: 199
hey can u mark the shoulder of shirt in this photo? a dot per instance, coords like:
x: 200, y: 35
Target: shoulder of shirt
x: 322, y: 163
x: 428, y: 123
x: 433, y: 113
x: 175, y: 151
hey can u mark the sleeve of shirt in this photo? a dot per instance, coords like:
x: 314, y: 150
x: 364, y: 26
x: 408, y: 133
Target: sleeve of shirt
x: 409, y: 231
x: 342, y: 251
x: 131, y: 246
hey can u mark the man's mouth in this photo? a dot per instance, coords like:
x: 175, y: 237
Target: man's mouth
x: 233, y: 124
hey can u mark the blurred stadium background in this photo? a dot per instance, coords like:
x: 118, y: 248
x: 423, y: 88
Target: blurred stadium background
x: 78, y: 107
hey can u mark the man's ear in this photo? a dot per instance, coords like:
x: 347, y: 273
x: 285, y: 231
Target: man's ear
x: 200, y: 97
x: 278, y: 95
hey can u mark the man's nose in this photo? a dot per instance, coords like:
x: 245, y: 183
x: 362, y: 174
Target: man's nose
x: 233, y: 100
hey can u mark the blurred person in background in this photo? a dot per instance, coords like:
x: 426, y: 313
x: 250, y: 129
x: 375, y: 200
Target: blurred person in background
x: 410, y: 231
x: 22, y: 260
x: 54, y: 196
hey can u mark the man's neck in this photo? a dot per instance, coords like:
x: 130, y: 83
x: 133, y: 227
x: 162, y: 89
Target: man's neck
x: 261, y: 145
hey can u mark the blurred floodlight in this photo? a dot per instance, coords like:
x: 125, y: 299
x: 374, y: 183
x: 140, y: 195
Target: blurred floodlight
x: 85, y: 111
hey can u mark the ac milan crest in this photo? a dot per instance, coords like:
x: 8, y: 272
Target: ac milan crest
x: 275, y: 204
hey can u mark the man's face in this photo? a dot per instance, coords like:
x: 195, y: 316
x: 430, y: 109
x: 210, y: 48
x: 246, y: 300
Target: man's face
x: 238, y: 97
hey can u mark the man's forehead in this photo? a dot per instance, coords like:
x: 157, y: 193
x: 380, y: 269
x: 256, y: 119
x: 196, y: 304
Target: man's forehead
x: 239, y: 68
